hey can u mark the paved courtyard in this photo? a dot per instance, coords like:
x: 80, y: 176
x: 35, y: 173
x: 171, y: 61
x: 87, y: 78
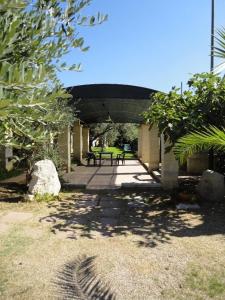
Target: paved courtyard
x: 132, y: 174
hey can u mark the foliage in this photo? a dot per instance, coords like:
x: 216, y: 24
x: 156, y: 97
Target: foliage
x: 100, y: 131
x: 113, y: 133
x: 177, y: 114
x: 47, y: 152
x: 111, y: 136
x: 35, y: 36
x: 45, y: 197
x: 128, y: 133
x: 4, y: 174
x: 210, y: 138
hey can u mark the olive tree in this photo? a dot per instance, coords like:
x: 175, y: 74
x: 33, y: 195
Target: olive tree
x: 35, y: 35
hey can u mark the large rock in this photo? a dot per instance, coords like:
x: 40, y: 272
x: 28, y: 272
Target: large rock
x: 44, y: 178
x: 211, y: 186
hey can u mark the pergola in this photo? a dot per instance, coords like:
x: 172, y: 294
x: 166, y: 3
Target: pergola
x: 96, y: 103
x: 99, y: 103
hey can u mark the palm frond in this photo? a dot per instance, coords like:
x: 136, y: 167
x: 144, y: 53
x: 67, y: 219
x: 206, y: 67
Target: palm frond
x: 219, y: 50
x: 209, y: 138
x: 219, y: 68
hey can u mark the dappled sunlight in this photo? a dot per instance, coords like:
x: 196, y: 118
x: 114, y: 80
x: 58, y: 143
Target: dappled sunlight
x: 151, y: 218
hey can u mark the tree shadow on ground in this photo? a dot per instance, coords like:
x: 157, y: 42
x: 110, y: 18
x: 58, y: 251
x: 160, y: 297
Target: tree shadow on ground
x: 152, y: 217
x: 78, y: 280
x: 12, y: 192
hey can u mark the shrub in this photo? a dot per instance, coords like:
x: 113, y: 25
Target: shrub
x: 45, y: 197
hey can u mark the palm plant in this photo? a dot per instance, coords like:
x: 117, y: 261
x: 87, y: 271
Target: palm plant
x: 194, y: 142
x: 219, y: 51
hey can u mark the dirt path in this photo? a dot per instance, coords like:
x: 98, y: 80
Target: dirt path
x: 130, y: 245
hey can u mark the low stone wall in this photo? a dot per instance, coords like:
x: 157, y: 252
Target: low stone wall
x: 211, y: 186
x: 197, y: 163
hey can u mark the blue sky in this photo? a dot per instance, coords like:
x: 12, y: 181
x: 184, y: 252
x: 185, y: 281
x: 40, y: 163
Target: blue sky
x: 151, y: 43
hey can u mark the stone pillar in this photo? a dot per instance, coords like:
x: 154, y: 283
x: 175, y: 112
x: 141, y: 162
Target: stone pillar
x: 145, y: 143
x: 71, y: 142
x: 6, y: 158
x: 154, y: 148
x: 64, y: 145
x: 85, y: 135
x: 140, y: 141
x: 2, y: 157
x: 77, y: 141
x: 169, y: 172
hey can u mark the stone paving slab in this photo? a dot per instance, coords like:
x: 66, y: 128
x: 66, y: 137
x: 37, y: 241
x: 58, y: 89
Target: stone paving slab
x: 154, y: 185
x: 111, y: 212
x: 108, y: 221
x: 109, y: 202
x: 106, y: 177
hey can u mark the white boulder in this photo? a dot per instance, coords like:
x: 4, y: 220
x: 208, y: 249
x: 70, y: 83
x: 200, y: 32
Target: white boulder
x: 44, y: 178
x: 211, y: 186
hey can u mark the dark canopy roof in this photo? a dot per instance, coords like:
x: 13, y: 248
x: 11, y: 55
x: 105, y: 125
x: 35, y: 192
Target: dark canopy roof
x: 95, y: 103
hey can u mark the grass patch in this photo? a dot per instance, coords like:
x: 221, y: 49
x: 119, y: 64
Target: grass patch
x: 45, y: 197
x: 200, y: 283
x: 4, y: 280
x: 115, y: 150
x: 209, y: 282
x: 14, y: 244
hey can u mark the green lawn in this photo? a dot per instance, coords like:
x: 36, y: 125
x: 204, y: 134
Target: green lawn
x: 115, y: 150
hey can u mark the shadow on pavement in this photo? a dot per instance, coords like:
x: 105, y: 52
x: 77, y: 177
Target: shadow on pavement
x: 150, y: 216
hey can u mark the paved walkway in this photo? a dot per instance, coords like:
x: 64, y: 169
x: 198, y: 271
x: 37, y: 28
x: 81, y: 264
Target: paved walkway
x: 132, y: 174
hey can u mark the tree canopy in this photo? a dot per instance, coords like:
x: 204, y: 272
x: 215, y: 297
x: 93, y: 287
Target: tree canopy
x: 179, y: 113
x: 114, y: 133
x: 35, y: 35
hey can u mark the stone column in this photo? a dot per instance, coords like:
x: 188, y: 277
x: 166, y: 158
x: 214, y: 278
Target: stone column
x: 154, y: 148
x: 77, y: 141
x: 85, y: 135
x: 140, y: 141
x: 64, y: 145
x: 145, y: 143
x: 2, y: 157
x: 169, y: 172
x: 6, y: 161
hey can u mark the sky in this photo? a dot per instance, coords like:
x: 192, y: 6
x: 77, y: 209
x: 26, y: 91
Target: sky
x: 151, y: 43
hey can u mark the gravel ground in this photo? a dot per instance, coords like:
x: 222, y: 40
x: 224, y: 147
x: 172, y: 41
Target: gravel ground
x: 120, y: 245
